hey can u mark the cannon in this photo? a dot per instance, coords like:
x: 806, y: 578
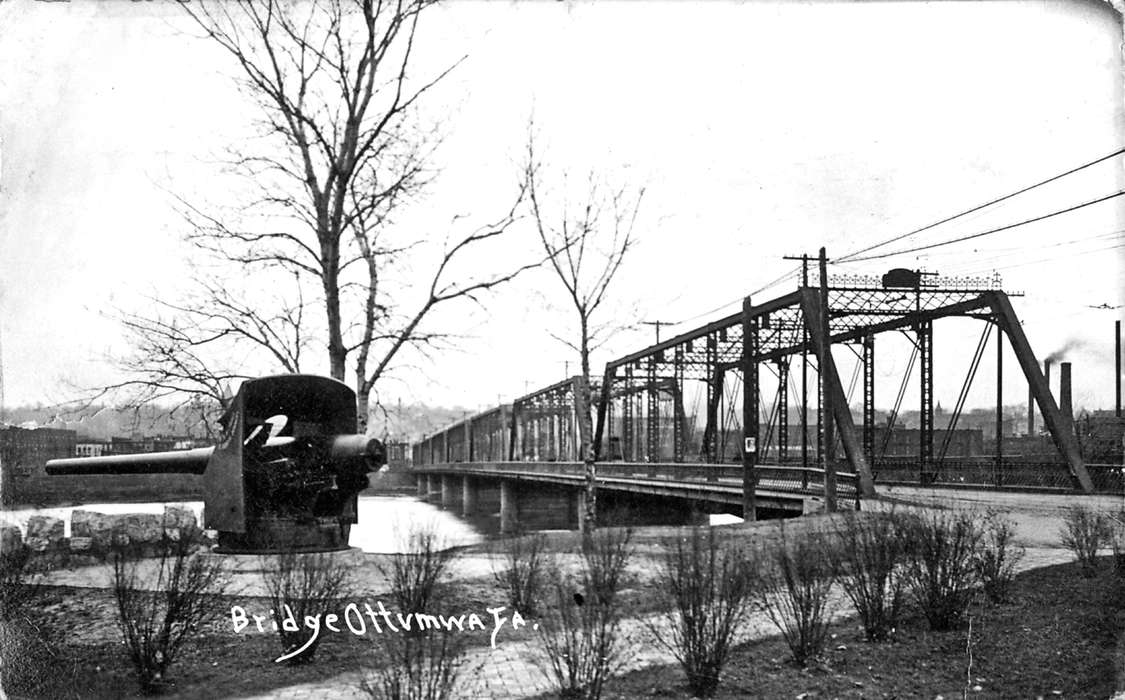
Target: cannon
x: 286, y: 474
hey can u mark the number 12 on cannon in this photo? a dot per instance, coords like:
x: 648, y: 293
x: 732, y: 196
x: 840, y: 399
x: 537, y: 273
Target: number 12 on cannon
x: 286, y: 475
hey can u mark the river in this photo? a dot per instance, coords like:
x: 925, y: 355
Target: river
x: 383, y: 523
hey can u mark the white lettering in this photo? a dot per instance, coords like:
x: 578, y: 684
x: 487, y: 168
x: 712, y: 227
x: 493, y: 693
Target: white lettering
x: 238, y: 618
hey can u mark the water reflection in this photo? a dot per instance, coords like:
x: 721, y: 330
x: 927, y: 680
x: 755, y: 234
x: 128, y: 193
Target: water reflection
x: 383, y: 524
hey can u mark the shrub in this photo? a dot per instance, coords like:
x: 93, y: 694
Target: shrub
x: 997, y: 557
x: 579, y: 634
x: 869, y: 550
x: 796, y: 593
x: 303, y: 585
x: 424, y: 666
x: 709, y: 588
x: 940, y: 569
x: 524, y: 561
x: 1084, y: 532
x: 421, y: 663
x: 416, y: 571
x: 158, y: 613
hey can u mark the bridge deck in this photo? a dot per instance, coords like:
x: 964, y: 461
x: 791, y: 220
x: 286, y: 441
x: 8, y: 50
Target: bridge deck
x: 780, y: 487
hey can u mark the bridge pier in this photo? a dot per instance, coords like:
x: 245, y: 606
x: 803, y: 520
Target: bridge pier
x: 450, y: 493
x: 422, y: 482
x: 508, y: 507
x: 433, y: 487
x: 537, y: 506
x: 468, y: 497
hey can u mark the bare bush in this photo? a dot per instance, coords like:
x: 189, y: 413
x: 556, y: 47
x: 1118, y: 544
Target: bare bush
x: 867, y: 558
x: 303, y: 585
x: 796, y: 593
x: 1085, y: 531
x: 997, y: 557
x: 709, y: 587
x: 940, y: 570
x: 580, y: 633
x: 158, y: 611
x: 417, y: 571
x: 523, y: 566
x: 422, y: 663
x: 423, y: 666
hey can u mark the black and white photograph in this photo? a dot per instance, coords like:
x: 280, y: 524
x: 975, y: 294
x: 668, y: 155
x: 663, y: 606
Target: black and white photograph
x: 458, y: 349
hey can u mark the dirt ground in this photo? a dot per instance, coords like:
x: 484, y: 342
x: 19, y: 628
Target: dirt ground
x: 1056, y: 615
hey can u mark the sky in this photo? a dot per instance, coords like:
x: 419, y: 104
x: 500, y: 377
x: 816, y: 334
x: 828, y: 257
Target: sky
x: 758, y: 129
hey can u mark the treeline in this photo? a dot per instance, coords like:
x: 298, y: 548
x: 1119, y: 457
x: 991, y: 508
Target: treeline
x: 400, y: 422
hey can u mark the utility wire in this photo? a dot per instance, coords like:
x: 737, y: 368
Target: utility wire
x: 732, y: 302
x: 990, y: 231
x: 852, y: 257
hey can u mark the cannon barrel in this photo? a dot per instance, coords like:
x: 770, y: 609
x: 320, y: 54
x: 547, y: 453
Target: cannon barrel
x: 176, y: 462
x: 349, y: 447
x: 344, y: 449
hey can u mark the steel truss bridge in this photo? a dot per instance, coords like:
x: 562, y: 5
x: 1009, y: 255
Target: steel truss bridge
x: 710, y: 411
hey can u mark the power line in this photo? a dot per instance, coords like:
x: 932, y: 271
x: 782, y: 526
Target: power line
x: 990, y: 231
x: 851, y: 257
x: 732, y: 302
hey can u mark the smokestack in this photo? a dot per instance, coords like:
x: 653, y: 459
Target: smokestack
x: 1065, y: 403
x: 1117, y: 367
x: 1047, y: 372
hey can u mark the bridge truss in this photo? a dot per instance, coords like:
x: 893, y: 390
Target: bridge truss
x: 761, y: 389
x: 647, y: 411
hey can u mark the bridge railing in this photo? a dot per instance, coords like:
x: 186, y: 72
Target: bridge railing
x: 770, y: 477
x: 1013, y: 472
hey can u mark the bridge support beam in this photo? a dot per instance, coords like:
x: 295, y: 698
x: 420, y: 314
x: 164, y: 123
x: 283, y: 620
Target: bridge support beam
x: 468, y: 497
x: 834, y: 391
x: 1059, y: 425
x: 433, y: 487
x: 421, y: 481
x: 509, y: 508
x: 450, y: 493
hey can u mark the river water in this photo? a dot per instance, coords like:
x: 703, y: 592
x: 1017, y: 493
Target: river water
x: 384, y: 521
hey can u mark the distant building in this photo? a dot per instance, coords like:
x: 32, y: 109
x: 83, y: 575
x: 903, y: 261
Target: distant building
x: 159, y: 443
x: 90, y: 449
x: 24, y: 452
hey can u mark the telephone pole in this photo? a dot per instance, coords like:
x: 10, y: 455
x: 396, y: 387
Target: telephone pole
x: 2, y: 412
x: 658, y: 324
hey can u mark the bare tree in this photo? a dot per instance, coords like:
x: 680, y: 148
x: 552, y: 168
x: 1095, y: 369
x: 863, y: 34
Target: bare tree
x: 586, y: 244
x: 187, y: 349
x: 340, y: 151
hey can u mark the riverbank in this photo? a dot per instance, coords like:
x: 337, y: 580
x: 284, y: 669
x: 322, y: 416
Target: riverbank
x: 1054, y: 608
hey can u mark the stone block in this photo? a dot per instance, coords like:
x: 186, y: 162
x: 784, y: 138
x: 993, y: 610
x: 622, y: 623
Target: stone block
x: 43, y: 527
x: 96, y: 526
x: 38, y: 544
x: 81, y: 544
x: 180, y: 518
x: 141, y: 528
